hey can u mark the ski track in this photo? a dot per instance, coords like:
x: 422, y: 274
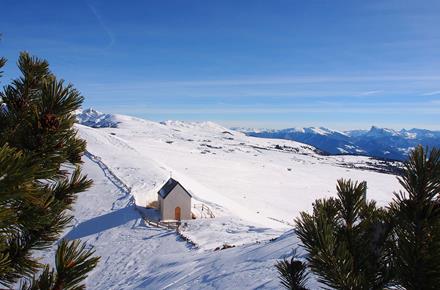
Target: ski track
x: 110, y: 175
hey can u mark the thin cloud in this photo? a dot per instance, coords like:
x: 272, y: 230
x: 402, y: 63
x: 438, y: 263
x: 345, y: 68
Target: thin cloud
x: 278, y: 80
x: 434, y: 93
x: 101, y: 23
x: 369, y: 93
x: 195, y: 94
x: 300, y: 80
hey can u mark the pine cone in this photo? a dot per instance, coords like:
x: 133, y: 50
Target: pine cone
x: 51, y: 122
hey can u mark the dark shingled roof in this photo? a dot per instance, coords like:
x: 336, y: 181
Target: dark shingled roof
x: 169, y: 186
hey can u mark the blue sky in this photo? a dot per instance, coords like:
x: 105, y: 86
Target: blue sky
x: 338, y: 64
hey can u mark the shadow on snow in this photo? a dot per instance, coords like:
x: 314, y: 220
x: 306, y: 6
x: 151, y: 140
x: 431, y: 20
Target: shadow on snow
x: 102, y: 223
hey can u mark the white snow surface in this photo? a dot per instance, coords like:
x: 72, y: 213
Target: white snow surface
x: 310, y: 130
x: 135, y: 256
x: 254, y: 188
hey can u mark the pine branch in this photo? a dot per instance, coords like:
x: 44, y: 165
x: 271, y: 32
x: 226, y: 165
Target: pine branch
x: 293, y: 274
x: 2, y: 64
x: 73, y: 263
x: 416, y: 215
x: 67, y: 189
x: 16, y: 176
x: 345, y: 240
x: 37, y: 137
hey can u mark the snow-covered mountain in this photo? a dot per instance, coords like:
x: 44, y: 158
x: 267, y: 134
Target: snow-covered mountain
x: 254, y: 186
x: 95, y: 119
x: 376, y: 142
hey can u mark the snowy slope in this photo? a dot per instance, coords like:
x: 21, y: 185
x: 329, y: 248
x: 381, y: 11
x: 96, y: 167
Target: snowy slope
x: 260, y: 181
x: 134, y: 256
x: 254, y: 186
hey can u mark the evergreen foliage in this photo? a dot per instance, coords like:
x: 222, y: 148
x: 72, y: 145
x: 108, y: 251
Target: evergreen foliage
x: 293, y: 273
x: 72, y: 263
x: 352, y: 244
x: 345, y: 239
x: 416, y: 214
x: 40, y: 176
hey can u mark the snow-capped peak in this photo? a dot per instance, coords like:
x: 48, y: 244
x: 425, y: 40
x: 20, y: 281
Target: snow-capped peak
x: 92, y: 118
x: 377, y: 132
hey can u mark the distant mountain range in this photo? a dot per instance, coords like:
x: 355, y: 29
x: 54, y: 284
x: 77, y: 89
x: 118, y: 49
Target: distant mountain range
x: 376, y: 142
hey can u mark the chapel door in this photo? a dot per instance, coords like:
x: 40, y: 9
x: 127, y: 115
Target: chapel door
x: 177, y: 213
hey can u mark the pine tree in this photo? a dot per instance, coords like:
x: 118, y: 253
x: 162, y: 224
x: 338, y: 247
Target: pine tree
x: 40, y: 177
x: 293, y: 273
x: 416, y: 228
x: 346, y: 240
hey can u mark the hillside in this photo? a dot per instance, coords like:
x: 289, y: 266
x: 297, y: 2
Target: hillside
x: 376, y: 142
x: 255, y: 187
x: 134, y: 256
